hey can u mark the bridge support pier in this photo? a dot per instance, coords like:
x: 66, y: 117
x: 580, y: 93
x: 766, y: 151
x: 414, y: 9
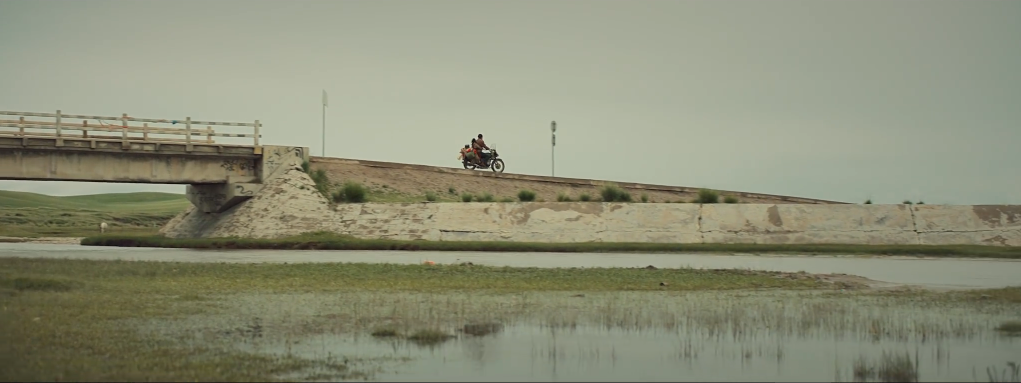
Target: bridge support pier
x: 217, y: 198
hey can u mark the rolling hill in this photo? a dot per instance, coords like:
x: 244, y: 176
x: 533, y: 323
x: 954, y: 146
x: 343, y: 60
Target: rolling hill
x: 25, y: 214
x: 143, y: 201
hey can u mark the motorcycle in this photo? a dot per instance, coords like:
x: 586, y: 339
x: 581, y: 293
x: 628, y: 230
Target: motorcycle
x: 493, y: 162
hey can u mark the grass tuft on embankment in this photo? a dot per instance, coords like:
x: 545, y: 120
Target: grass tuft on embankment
x: 329, y: 241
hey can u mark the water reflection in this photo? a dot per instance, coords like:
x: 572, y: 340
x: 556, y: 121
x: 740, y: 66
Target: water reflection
x: 532, y: 353
x: 622, y: 336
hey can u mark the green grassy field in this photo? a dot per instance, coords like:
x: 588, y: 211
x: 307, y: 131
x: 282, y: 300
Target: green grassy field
x: 36, y: 215
x: 332, y: 241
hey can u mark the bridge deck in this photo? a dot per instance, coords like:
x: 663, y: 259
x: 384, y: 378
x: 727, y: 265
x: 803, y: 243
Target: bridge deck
x: 116, y: 145
x: 63, y: 150
x: 61, y: 132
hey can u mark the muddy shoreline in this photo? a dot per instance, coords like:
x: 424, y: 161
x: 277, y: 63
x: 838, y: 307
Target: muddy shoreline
x: 45, y: 240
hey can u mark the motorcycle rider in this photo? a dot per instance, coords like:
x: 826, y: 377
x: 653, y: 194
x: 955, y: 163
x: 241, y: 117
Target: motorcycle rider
x: 479, y: 145
x: 477, y: 154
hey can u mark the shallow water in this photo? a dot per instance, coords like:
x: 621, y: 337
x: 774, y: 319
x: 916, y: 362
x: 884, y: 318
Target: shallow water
x: 932, y: 273
x: 532, y: 353
x: 617, y: 336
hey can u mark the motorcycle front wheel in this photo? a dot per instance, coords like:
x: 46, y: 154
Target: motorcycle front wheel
x: 497, y: 165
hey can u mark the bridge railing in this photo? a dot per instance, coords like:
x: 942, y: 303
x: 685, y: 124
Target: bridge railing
x: 131, y: 129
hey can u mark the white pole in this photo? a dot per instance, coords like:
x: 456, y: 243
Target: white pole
x: 553, y: 157
x: 324, y: 123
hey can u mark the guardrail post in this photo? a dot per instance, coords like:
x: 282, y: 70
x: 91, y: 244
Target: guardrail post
x: 60, y: 141
x: 145, y: 131
x: 85, y: 129
x: 124, y: 131
x: 209, y: 134
x: 21, y: 126
x: 187, y: 140
x: 256, y: 132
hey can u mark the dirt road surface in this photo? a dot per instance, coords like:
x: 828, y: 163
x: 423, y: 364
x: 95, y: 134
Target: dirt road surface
x: 416, y: 180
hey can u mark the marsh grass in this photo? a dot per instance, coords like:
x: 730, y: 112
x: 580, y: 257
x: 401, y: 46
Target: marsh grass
x: 1012, y: 328
x: 329, y: 241
x: 429, y: 337
x: 52, y: 332
x: 385, y: 332
x: 78, y: 335
x: 142, y: 321
x: 890, y: 368
x: 1006, y: 294
x: 481, y: 329
x: 174, y: 278
x: 1012, y: 373
x: 37, y: 284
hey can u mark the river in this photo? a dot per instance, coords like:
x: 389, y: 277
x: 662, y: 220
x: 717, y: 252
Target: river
x: 936, y: 273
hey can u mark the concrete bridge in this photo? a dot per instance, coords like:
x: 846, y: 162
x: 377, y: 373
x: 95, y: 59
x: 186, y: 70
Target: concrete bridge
x: 63, y: 147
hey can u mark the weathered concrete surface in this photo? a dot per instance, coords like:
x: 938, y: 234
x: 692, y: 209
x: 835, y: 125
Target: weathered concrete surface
x: 83, y: 159
x: 218, y: 176
x: 790, y: 224
x: 291, y: 206
x: 522, y: 222
x: 287, y: 204
x: 217, y: 198
x: 134, y: 167
x: 94, y: 144
x: 978, y: 224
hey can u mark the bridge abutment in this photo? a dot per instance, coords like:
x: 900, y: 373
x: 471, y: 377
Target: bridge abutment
x: 219, y: 197
x: 216, y: 198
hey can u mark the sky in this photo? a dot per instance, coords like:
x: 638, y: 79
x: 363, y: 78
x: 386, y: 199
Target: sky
x: 836, y: 100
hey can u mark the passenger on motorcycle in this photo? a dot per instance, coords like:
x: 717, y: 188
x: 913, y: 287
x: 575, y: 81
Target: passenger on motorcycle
x: 467, y: 154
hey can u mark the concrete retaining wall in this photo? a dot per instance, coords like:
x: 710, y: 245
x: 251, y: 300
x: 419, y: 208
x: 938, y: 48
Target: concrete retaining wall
x: 686, y: 223
x: 523, y: 222
x: 865, y: 224
x: 291, y: 206
x: 979, y: 224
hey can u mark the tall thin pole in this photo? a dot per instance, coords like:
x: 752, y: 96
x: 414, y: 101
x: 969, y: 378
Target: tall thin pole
x: 553, y: 146
x: 324, y: 123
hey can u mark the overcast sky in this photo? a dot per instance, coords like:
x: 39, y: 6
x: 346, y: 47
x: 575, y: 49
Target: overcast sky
x: 840, y: 100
